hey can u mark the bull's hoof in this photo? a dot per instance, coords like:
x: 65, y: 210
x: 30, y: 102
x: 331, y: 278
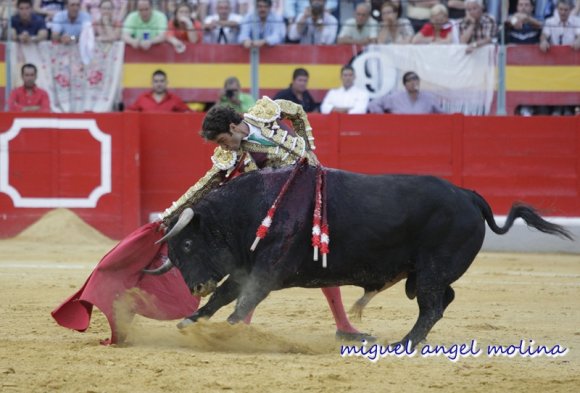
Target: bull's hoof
x: 185, y: 323
x: 344, y: 336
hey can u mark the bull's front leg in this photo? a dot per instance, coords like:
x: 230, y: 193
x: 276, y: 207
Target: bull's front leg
x: 252, y: 294
x: 224, y: 295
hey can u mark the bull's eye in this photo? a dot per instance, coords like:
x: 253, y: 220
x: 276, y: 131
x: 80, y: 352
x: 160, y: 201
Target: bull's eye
x: 187, y: 246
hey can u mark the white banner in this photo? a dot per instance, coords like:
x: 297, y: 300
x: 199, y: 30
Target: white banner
x: 72, y: 85
x: 464, y: 82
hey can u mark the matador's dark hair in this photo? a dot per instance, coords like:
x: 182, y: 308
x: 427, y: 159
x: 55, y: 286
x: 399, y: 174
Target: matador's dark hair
x: 218, y: 120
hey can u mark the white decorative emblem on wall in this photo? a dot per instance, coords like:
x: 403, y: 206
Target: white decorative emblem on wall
x: 89, y: 125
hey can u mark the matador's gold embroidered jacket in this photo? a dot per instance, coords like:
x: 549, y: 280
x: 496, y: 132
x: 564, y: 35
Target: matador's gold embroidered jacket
x: 281, y: 149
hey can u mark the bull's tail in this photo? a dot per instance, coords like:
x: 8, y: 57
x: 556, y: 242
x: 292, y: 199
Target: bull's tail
x: 525, y: 212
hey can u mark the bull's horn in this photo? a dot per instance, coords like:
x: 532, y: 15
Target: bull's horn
x: 167, y: 266
x: 184, y: 219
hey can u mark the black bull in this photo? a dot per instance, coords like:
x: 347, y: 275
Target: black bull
x: 382, y: 229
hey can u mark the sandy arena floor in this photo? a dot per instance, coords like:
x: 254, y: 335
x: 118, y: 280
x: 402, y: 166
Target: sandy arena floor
x: 290, y: 347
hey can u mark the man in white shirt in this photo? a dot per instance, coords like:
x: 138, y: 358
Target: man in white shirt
x: 209, y: 7
x: 360, y: 30
x: 348, y: 98
x: 561, y: 29
x: 222, y: 27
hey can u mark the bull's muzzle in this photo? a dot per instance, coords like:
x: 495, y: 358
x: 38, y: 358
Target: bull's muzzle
x: 204, y: 289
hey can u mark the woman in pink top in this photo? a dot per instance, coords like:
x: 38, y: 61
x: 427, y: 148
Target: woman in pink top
x: 93, y: 7
x: 107, y: 28
x: 438, y: 30
x: 394, y: 29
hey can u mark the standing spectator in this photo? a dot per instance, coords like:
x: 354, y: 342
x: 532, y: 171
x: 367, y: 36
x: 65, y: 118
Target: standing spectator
x: 561, y: 29
x: 419, y: 12
x: 28, y: 26
x: 293, y: 8
x: 209, y: 7
x: 360, y: 30
x: 411, y: 101
x: 145, y: 27
x: 233, y: 96
x: 182, y: 29
x: 48, y: 9
x: 438, y: 30
x: 297, y: 92
x: 223, y: 27
x: 522, y: 27
x: 315, y: 26
x: 28, y: 97
x: 68, y: 24
x: 93, y: 7
x: 106, y: 27
x: 394, y: 29
x: 348, y: 98
x: 262, y: 27
x: 476, y: 29
x: 159, y: 99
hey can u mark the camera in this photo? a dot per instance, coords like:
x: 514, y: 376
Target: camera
x: 230, y: 93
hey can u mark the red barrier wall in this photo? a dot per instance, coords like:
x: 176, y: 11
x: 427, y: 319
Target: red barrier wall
x: 156, y: 157
x: 53, y: 163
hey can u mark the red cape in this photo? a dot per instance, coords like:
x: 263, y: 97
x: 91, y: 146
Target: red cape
x: 119, y: 271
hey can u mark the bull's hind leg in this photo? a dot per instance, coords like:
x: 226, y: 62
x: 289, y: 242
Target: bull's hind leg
x: 432, y: 303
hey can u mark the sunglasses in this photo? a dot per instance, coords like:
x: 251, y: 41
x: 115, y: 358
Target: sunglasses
x: 411, y: 78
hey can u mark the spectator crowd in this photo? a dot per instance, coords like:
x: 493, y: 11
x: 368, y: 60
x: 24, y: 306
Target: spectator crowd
x: 143, y: 24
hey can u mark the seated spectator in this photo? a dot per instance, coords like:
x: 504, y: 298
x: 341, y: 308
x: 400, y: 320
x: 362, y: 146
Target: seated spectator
x: 27, y: 26
x: 28, y: 97
x: 209, y: 7
x: 222, y: 27
x: 145, y: 27
x: 360, y: 30
x: 182, y: 29
x: 411, y: 101
x: 233, y: 96
x: 159, y: 99
x: 118, y: 11
x: 315, y: 26
x: 262, y: 27
x: 346, y: 99
x: 293, y: 8
x: 561, y: 29
x: 476, y: 29
x: 106, y: 27
x: 419, y: 12
x: 394, y: 29
x: 48, y: 9
x: 68, y: 24
x: 522, y: 27
x: 438, y: 30
x: 297, y: 91
x: 456, y: 9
